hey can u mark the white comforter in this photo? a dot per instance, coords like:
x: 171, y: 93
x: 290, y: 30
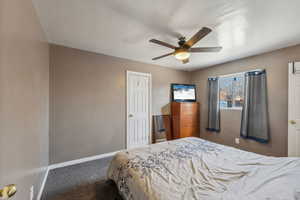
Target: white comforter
x: 193, y: 168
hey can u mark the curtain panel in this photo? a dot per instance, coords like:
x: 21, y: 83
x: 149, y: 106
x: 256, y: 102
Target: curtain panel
x: 254, y: 124
x: 213, y: 105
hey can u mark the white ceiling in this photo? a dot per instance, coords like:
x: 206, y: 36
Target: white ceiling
x: 123, y: 28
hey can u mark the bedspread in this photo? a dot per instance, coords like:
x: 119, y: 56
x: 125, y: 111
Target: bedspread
x: 193, y: 168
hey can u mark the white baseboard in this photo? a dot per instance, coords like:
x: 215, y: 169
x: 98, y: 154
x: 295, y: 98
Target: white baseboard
x: 81, y: 160
x: 39, y: 196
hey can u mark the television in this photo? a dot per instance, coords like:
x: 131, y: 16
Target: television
x: 183, y: 92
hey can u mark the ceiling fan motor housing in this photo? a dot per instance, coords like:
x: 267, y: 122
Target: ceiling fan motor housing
x: 181, y: 41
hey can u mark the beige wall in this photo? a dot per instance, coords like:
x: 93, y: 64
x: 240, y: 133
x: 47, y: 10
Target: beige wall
x: 24, y: 97
x: 276, y: 64
x: 88, y: 101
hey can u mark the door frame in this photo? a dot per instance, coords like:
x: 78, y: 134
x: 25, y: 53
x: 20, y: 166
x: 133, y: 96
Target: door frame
x: 128, y: 73
x: 290, y: 73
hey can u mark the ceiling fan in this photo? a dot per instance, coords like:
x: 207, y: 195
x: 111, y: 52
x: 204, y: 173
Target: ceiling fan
x: 185, y: 49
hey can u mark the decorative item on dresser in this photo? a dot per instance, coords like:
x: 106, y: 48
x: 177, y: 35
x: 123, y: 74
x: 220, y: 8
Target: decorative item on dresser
x: 185, y: 119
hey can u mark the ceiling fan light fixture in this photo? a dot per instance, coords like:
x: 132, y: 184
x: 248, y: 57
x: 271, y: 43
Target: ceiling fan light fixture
x: 182, y: 54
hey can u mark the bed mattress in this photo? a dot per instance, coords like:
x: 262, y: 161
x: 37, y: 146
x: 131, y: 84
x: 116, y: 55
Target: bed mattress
x: 193, y: 168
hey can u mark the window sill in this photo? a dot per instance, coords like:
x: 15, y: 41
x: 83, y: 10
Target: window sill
x: 238, y: 108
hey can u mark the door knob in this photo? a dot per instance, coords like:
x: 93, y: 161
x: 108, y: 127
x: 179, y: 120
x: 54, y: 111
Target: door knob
x: 292, y: 122
x: 130, y: 115
x: 8, y: 191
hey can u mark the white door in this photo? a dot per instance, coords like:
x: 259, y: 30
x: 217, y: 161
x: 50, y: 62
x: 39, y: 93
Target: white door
x: 294, y: 110
x: 138, y: 109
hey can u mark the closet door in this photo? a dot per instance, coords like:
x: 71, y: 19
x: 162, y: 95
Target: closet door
x: 138, y: 109
x: 294, y: 110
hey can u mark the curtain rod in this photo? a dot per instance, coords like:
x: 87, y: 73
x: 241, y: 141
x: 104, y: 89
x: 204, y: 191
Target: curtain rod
x: 235, y: 74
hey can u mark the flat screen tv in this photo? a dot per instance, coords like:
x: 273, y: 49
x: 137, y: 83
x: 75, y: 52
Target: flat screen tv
x: 183, y: 92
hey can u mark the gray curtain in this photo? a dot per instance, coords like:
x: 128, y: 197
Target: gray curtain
x: 213, y: 105
x: 254, y: 123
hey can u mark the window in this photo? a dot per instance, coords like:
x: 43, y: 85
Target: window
x: 232, y: 91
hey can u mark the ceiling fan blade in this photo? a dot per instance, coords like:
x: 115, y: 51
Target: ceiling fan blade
x: 185, y: 61
x: 159, y: 57
x: 198, y: 36
x: 162, y: 43
x: 205, y: 49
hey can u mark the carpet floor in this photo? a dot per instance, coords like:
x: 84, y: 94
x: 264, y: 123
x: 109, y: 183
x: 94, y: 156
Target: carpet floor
x: 102, y: 190
x: 85, y: 181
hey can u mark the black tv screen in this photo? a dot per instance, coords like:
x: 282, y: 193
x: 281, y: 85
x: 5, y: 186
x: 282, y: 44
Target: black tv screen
x: 183, y: 92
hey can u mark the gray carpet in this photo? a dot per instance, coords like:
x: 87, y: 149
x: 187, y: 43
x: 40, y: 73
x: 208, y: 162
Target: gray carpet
x: 86, y: 181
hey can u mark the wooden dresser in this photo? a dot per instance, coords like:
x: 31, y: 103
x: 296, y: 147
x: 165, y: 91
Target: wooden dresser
x: 185, y: 119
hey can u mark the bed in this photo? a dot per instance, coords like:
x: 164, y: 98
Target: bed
x: 193, y: 168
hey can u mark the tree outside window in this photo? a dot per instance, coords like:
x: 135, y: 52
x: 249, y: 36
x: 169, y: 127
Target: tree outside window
x: 232, y: 91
